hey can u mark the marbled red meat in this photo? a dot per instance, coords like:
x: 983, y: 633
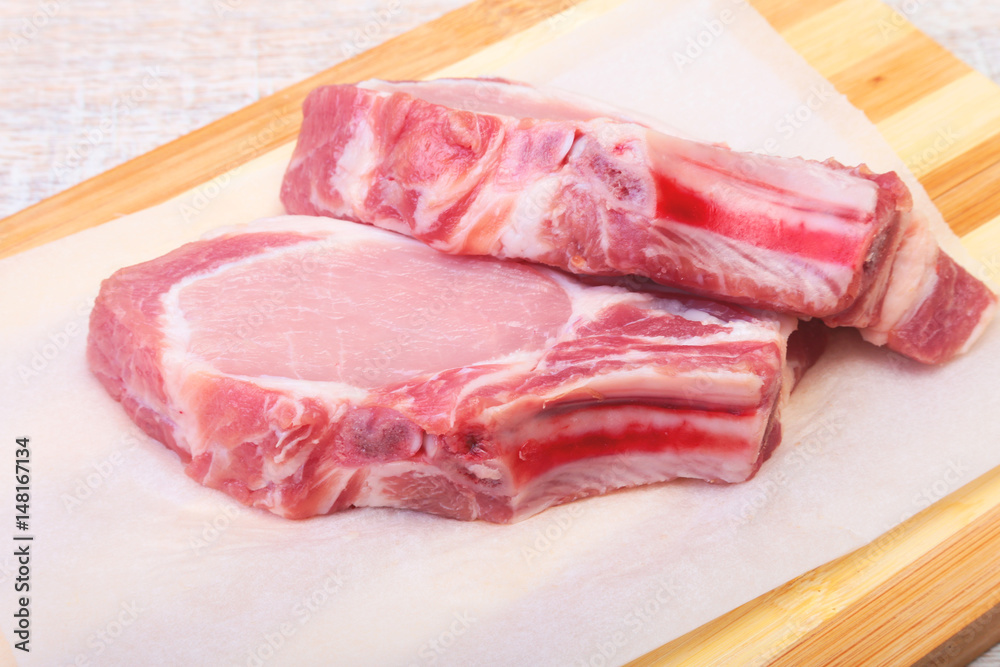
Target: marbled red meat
x: 487, y: 167
x: 307, y: 365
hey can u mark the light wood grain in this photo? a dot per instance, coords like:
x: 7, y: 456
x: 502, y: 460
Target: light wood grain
x: 844, y: 34
x: 897, y: 76
x: 963, y: 648
x: 908, y: 578
x: 72, y: 103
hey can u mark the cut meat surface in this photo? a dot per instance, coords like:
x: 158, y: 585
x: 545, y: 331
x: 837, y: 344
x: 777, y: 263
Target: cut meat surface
x: 488, y: 167
x: 307, y: 365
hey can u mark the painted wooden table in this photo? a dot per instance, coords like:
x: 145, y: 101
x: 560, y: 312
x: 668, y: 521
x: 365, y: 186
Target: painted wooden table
x: 932, y: 584
x: 77, y: 96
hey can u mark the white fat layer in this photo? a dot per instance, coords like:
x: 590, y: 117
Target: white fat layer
x: 913, y: 279
x: 331, y: 393
x: 341, y: 231
x: 356, y: 165
x: 589, y: 300
x: 377, y: 490
x: 599, y: 475
x: 522, y: 235
x: 616, y: 423
x: 825, y: 187
x: 726, y: 388
x: 984, y: 319
x: 517, y: 100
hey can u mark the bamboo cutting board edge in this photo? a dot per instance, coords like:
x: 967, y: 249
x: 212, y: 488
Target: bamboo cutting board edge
x: 924, y: 544
x: 823, y: 614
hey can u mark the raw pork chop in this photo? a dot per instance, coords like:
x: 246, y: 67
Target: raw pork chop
x: 487, y: 167
x: 306, y: 365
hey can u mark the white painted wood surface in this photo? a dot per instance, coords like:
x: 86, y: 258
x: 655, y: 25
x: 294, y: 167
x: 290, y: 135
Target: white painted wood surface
x: 89, y: 84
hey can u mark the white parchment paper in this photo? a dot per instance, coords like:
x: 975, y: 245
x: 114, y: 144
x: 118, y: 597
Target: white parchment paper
x: 133, y: 563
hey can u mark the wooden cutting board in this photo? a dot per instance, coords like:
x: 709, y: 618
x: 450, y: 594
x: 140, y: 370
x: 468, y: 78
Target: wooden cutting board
x: 927, y: 590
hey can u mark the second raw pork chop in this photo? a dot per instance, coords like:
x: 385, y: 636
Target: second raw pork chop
x: 484, y: 167
x: 306, y: 365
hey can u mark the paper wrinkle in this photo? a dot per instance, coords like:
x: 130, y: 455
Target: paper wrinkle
x: 133, y: 558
